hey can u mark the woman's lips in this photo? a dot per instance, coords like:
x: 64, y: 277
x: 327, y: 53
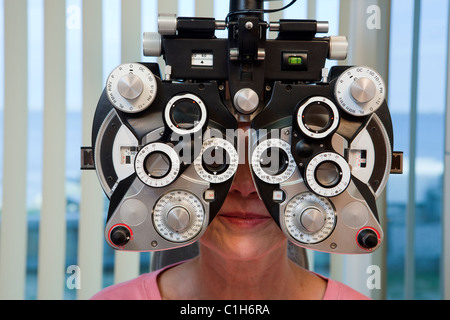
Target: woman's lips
x: 245, y: 221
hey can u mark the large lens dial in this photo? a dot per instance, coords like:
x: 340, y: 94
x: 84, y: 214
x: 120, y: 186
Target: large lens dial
x: 309, y: 219
x: 178, y: 216
x: 131, y: 87
x: 360, y: 91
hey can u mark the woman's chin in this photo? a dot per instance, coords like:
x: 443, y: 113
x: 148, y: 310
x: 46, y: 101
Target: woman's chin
x: 242, y: 240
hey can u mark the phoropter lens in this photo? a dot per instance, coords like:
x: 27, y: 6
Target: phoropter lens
x: 328, y: 174
x: 216, y: 160
x: 157, y: 165
x: 274, y: 161
x: 185, y: 114
x: 318, y: 117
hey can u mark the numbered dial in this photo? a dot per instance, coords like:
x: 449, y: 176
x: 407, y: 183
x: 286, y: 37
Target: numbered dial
x: 131, y: 88
x: 328, y: 174
x: 157, y: 165
x: 272, y: 161
x: 217, y: 162
x: 360, y: 91
x: 178, y: 216
x: 309, y: 219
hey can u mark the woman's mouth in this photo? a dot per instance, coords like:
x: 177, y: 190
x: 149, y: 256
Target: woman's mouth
x: 244, y: 220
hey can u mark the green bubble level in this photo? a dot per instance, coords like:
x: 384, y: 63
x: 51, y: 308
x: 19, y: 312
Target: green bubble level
x: 295, y: 61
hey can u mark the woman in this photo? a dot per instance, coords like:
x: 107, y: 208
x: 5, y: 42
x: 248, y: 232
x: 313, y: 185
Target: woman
x: 243, y: 256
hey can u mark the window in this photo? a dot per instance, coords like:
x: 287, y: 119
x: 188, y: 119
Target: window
x: 428, y: 141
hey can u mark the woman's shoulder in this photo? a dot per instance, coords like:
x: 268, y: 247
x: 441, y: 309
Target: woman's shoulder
x: 144, y: 287
x: 338, y: 291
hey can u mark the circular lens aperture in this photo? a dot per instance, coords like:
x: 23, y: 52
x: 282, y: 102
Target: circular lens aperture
x: 157, y: 165
x: 216, y: 160
x: 185, y: 114
x: 328, y: 174
x: 318, y: 118
x: 274, y: 161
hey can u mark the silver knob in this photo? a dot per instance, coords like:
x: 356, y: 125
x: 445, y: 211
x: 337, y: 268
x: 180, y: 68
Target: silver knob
x: 363, y: 90
x: 323, y: 27
x: 312, y: 220
x: 130, y: 86
x: 178, y: 219
x: 152, y: 44
x: 167, y: 24
x: 246, y: 101
x: 338, y: 48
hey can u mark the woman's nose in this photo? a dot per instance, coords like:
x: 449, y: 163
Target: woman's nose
x: 243, y: 182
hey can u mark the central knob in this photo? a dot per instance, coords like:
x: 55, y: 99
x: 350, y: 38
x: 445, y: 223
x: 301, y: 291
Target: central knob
x: 363, y: 90
x: 130, y: 86
x: 312, y: 220
x: 246, y: 101
x: 178, y: 219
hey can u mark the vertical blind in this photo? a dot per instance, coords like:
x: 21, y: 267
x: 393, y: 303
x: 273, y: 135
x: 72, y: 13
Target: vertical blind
x: 445, y: 270
x: 366, y: 48
x: 14, y: 214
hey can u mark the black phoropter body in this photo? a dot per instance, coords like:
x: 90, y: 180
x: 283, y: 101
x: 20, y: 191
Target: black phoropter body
x: 165, y: 138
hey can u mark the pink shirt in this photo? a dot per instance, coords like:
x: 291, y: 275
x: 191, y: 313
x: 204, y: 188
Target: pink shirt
x: 145, y: 287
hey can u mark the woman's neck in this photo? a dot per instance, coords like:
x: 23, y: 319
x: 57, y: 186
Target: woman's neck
x: 212, y: 276
x: 261, y: 278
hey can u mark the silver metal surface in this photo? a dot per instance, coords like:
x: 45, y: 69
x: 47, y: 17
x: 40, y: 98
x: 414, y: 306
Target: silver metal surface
x: 154, y: 233
x: 246, y: 101
x: 363, y: 90
x: 363, y: 98
x: 338, y: 48
x: 151, y: 44
x: 130, y: 86
x: 312, y: 220
x: 178, y: 218
x: 167, y: 24
x: 220, y: 25
x: 323, y: 27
